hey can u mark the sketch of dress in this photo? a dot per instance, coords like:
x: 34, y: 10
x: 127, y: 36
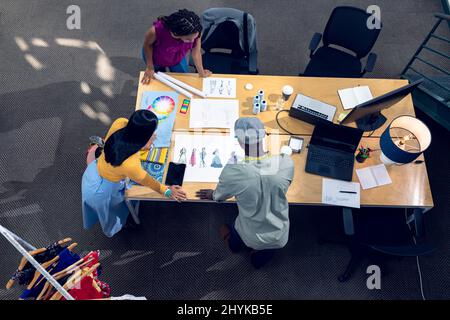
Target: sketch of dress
x: 212, y: 88
x: 216, y: 163
x: 182, y: 158
x: 233, y: 158
x: 193, y: 160
x: 202, y: 158
x: 229, y: 88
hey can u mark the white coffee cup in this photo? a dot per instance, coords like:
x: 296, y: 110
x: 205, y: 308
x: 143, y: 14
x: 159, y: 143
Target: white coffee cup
x: 287, y: 92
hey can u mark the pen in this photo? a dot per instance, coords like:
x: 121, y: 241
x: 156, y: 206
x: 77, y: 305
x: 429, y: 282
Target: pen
x: 348, y: 192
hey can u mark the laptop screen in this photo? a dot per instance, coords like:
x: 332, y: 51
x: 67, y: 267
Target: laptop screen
x: 335, y: 136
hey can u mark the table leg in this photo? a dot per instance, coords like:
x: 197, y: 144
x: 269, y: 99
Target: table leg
x: 347, y: 215
x: 418, y: 221
x: 134, y: 210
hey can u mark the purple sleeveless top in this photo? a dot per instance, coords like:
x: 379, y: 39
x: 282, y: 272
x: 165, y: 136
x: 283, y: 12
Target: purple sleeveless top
x: 168, y: 51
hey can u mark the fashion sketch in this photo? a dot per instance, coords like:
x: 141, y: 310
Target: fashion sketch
x: 216, y: 163
x: 182, y: 157
x: 233, y: 158
x: 202, y: 158
x: 193, y: 160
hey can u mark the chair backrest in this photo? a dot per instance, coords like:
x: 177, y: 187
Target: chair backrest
x: 347, y: 27
x: 225, y: 36
x: 90, y: 154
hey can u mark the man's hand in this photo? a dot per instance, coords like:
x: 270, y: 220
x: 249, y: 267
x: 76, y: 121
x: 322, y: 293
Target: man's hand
x: 148, y: 76
x: 205, y: 73
x: 205, y: 194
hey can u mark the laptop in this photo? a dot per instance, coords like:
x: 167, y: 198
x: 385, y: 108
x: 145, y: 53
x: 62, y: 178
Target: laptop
x: 312, y: 107
x: 331, y: 151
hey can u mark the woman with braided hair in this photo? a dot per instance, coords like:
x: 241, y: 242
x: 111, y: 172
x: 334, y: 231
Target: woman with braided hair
x: 169, y: 40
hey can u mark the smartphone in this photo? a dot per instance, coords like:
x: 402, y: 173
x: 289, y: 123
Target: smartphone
x: 185, y: 106
x: 175, y: 174
x: 296, y: 144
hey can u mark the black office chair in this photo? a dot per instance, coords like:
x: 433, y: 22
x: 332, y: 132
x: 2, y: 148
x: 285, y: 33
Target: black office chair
x: 347, y: 28
x: 380, y: 234
x: 223, y: 52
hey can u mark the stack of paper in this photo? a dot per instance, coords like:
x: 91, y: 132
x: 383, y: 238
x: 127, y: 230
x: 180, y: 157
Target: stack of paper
x: 207, y: 113
x: 341, y: 193
x: 352, y: 97
x: 374, y: 176
x: 205, y: 155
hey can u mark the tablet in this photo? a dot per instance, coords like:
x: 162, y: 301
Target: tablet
x: 175, y: 174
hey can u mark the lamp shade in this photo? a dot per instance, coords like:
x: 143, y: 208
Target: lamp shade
x: 404, y: 140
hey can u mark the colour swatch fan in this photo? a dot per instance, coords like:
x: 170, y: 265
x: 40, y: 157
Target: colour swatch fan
x: 162, y: 107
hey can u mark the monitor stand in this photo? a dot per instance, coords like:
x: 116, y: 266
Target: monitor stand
x: 371, y: 122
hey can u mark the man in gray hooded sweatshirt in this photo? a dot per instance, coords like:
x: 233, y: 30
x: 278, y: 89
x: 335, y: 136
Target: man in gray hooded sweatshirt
x: 259, y: 184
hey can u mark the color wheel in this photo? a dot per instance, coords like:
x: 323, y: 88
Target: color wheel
x: 162, y: 107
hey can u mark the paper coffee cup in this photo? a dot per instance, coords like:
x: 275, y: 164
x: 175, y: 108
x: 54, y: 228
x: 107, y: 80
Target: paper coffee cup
x: 287, y: 92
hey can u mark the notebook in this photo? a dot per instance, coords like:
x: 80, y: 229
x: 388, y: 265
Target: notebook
x: 373, y: 176
x: 352, y: 97
x: 341, y: 193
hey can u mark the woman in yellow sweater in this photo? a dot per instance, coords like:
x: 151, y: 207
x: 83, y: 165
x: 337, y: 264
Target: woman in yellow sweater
x: 103, y: 183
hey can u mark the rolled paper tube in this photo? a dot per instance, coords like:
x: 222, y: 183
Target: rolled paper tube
x: 256, y: 108
x: 183, y: 85
x: 173, y: 85
x: 263, y: 105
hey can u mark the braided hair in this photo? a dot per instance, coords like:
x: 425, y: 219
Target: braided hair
x: 182, y: 23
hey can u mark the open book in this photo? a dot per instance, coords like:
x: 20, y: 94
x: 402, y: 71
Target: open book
x: 351, y: 97
x: 373, y: 176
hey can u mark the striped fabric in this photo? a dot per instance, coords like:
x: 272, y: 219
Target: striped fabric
x: 155, y: 155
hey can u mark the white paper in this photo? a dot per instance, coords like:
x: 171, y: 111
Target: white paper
x: 331, y: 193
x: 352, y: 97
x: 373, y: 176
x: 208, y: 113
x: 219, y: 87
x: 205, y: 155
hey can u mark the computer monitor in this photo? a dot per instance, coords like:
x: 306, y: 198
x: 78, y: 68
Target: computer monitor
x: 368, y: 115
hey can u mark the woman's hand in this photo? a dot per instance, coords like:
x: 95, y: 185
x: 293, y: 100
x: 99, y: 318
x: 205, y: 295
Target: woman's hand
x: 205, y: 73
x: 177, y: 193
x: 148, y: 76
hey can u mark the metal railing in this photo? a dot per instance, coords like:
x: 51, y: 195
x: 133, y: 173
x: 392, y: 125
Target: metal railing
x: 437, y: 81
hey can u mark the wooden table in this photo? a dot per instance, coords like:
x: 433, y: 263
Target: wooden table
x: 323, y: 89
x: 410, y: 187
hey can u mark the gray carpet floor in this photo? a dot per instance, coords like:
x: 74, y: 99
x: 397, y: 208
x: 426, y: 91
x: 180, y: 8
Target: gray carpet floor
x: 46, y: 117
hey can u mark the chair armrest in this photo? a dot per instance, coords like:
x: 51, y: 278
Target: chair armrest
x: 314, y: 43
x: 253, y: 63
x: 370, y: 63
x: 407, y: 250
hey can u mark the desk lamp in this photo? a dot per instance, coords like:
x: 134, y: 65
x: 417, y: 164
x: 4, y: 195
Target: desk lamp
x: 404, y: 140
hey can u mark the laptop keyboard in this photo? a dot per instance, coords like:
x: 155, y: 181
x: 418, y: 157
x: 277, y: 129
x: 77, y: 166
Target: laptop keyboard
x: 330, y: 160
x: 314, y: 112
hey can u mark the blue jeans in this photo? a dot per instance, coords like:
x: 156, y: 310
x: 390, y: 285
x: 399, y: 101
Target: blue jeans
x: 182, y: 67
x: 258, y: 258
